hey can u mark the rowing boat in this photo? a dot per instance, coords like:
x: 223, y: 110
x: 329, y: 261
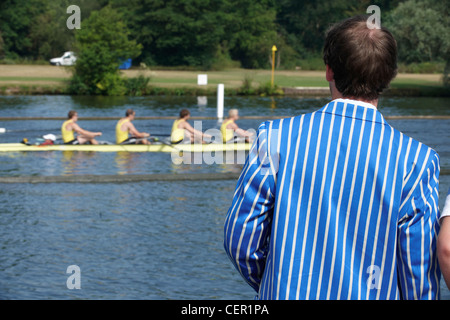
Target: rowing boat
x: 193, y: 148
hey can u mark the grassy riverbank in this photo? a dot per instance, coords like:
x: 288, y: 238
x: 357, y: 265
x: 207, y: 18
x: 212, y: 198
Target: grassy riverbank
x: 38, y: 79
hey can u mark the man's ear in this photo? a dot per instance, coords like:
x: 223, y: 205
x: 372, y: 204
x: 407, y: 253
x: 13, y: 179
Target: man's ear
x: 329, y: 74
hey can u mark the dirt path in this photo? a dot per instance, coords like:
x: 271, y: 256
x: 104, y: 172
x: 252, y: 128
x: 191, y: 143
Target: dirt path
x: 34, y: 71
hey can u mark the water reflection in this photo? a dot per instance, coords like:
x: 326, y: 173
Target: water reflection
x: 99, y: 102
x: 125, y: 162
x: 273, y: 105
x: 46, y: 163
x: 76, y: 162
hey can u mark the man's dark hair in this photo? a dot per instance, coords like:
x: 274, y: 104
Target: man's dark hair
x: 71, y: 114
x: 363, y: 60
x: 184, y: 113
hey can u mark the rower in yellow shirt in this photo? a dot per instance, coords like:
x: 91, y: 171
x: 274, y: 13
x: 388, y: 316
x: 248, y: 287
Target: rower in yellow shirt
x: 125, y: 127
x: 230, y: 130
x: 70, y: 126
x: 182, y: 131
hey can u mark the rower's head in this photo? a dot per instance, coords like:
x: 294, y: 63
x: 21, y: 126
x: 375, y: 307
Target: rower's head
x: 233, y: 114
x: 361, y: 61
x: 72, y: 115
x: 185, y: 114
x: 130, y: 113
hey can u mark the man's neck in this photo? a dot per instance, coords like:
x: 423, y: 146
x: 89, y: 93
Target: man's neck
x: 335, y: 94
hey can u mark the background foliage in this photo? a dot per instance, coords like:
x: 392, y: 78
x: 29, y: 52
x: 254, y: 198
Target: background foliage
x: 215, y: 34
x: 101, y: 47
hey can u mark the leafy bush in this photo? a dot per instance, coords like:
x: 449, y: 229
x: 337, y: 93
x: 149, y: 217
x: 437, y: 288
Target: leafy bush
x: 247, y: 86
x: 78, y: 87
x: 446, y: 76
x: 222, y: 61
x: 267, y: 89
x: 422, y: 67
x: 137, y: 86
x: 112, y: 85
x: 101, y: 45
x: 311, y: 64
x: 421, y: 30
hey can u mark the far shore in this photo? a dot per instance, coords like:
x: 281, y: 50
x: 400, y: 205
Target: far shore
x: 42, y: 79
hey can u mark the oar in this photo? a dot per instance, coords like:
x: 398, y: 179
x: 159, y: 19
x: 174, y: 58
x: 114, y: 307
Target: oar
x: 169, y: 144
x: 5, y: 130
x: 161, y: 135
x: 155, y: 139
x: 105, y: 143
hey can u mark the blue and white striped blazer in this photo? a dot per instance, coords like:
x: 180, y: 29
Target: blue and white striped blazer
x: 336, y: 204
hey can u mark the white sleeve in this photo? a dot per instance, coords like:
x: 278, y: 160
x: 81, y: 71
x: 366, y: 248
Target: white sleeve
x: 446, y: 211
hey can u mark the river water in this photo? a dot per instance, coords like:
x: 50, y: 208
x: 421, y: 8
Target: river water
x: 145, y: 240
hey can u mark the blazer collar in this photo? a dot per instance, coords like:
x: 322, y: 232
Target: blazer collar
x: 354, y: 109
x: 356, y: 102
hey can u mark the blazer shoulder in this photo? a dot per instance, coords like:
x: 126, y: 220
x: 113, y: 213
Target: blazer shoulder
x: 417, y: 145
x: 420, y: 160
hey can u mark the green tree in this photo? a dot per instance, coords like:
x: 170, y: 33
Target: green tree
x: 421, y: 30
x: 36, y: 29
x: 101, y: 44
x: 16, y: 18
x: 2, y: 44
x: 304, y: 23
x: 199, y: 33
x: 49, y: 34
x: 250, y: 31
x: 175, y: 32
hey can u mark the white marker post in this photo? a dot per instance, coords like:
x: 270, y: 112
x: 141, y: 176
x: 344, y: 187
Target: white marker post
x: 202, y: 79
x: 220, y: 103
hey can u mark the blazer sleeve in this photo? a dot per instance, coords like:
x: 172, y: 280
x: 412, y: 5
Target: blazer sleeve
x: 418, y: 226
x: 247, y: 225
